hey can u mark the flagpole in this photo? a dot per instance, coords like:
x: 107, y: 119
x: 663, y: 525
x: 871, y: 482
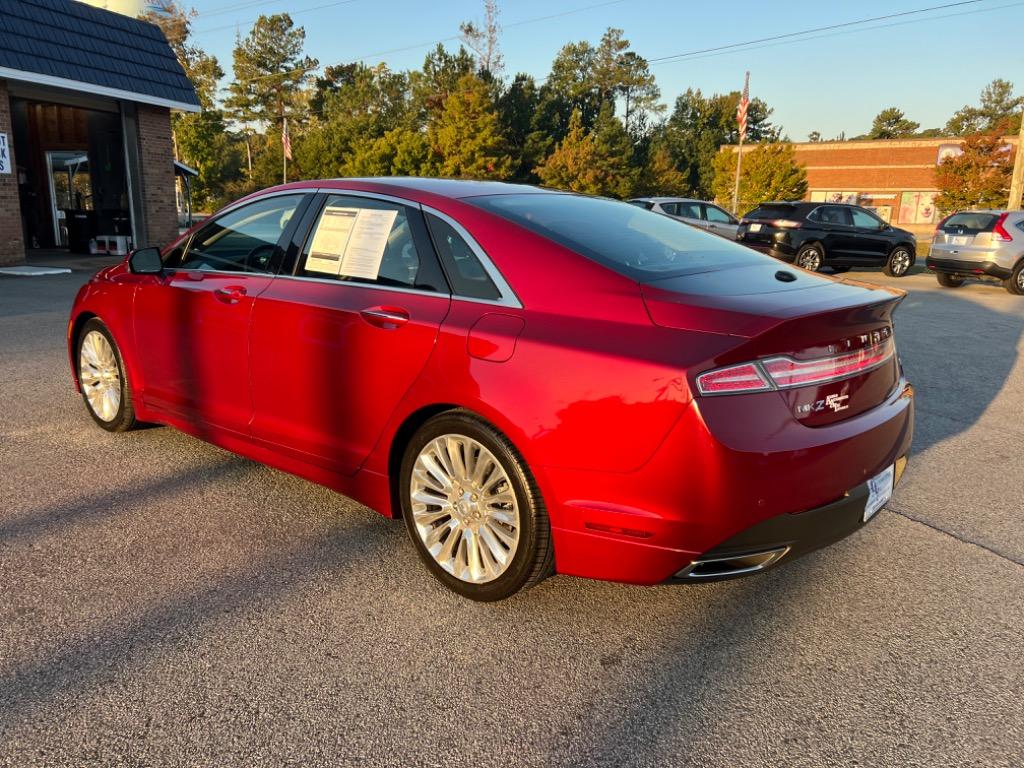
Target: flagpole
x: 284, y: 153
x: 739, y: 152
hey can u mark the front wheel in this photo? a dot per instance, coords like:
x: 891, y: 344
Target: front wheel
x: 102, y: 379
x: 1015, y: 282
x: 899, y: 262
x: 473, y: 510
x: 949, y: 281
x: 810, y: 257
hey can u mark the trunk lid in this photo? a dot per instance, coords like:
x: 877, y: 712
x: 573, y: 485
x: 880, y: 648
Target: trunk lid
x: 966, y: 236
x: 797, y: 327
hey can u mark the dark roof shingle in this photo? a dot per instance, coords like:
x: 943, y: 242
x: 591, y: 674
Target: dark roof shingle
x: 68, y: 39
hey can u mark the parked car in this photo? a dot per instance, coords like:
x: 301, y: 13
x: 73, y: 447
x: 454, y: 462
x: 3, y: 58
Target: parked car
x: 697, y: 213
x: 984, y: 244
x: 535, y: 381
x: 816, y: 235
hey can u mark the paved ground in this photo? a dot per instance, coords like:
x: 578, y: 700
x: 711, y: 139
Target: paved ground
x: 163, y: 602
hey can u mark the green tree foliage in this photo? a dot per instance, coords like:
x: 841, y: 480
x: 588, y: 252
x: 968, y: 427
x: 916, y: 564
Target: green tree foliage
x: 978, y: 178
x: 270, y: 73
x: 700, y: 125
x: 999, y: 110
x: 201, y: 140
x: 430, y: 86
x: 770, y: 172
x: 659, y: 175
x: 595, y: 162
x: 465, y: 138
x: 517, y: 106
x: 891, y: 123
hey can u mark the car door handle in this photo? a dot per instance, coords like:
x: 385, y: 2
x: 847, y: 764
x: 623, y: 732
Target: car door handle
x: 388, y: 318
x: 229, y: 294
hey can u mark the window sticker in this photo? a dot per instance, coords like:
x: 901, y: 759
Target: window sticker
x: 366, y: 245
x: 330, y: 239
x: 350, y: 242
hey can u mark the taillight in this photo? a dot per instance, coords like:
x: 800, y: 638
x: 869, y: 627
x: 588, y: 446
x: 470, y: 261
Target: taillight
x: 786, y: 224
x: 746, y: 377
x: 786, y: 373
x: 999, y: 231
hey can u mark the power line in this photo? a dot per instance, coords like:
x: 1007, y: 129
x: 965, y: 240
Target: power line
x: 503, y: 26
x: 290, y: 13
x: 787, y: 35
x: 717, y: 52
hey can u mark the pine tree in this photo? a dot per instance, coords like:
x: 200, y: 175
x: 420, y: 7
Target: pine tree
x: 892, y: 123
x: 595, y: 163
x: 770, y: 172
x: 466, y: 138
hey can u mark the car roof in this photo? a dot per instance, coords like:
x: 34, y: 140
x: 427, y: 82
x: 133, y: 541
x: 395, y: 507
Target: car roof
x: 454, y: 188
x: 666, y: 199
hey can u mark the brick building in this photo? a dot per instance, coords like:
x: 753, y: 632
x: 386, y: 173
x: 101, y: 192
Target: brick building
x: 895, y: 178
x: 85, y: 132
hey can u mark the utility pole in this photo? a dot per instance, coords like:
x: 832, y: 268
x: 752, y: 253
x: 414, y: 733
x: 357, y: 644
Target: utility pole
x: 1017, y: 183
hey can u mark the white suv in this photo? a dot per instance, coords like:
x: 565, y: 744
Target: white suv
x: 697, y: 213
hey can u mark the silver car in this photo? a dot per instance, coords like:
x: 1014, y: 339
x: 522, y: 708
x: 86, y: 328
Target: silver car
x: 697, y: 213
x: 984, y: 244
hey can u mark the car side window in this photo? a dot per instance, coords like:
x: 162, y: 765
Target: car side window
x: 689, y: 211
x: 833, y: 214
x: 466, y: 274
x: 717, y: 215
x: 669, y: 208
x: 363, y: 240
x: 242, y: 240
x: 864, y: 220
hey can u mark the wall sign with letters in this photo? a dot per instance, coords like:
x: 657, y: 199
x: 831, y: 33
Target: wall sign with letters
x: 5, y: 154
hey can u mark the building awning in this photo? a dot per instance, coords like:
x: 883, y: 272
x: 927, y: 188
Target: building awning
x: 70, y: 45
x: 180, y: 169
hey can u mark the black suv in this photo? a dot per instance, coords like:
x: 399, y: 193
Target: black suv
x: 813, y: 235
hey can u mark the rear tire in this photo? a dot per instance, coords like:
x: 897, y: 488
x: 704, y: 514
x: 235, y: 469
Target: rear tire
x: 1015, y: 282
x: 949, y: 281
x: 103, y: 379
x: 810, y: 257
x: 901, y: 259
x: 473, y: 510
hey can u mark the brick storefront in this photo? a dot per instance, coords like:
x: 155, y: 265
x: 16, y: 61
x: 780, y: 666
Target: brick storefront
x: 896, y: 178
x: 156, y: 156
x: 12, y: 248
x: 93, y: 165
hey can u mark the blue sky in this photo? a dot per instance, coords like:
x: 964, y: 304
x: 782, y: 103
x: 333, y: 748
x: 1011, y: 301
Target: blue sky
x: 928, y: 64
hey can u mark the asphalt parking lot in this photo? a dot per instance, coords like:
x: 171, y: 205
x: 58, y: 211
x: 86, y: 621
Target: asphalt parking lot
x: 164, y: 602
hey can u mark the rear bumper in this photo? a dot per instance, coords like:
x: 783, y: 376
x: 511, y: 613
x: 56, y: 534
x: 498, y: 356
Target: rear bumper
x: 956, y: 267
x: 709, y: 490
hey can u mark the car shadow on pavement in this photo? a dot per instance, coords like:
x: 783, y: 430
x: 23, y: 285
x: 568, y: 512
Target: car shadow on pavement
x: 79, y: 663
x: 97, y: 506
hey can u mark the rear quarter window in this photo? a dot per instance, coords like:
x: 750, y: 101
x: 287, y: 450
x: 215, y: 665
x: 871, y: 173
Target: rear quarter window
x: 639, y: 244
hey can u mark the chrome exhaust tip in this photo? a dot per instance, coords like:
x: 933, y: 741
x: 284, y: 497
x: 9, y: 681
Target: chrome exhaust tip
x: 731, y: 565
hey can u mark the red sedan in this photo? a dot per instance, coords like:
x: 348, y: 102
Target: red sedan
x: 536, y: 381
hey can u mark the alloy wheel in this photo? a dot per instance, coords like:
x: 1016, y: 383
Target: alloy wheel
x: 100, y: 375
x: 1020, y: 280
x: 810, y: 260
x: 900, y: 261
x: 464, y: 508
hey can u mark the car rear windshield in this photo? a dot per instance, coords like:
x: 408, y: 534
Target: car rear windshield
x: 633, y: 242
x: 763, y: 212
x: 969, y: 223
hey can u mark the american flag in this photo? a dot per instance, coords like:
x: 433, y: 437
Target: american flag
x: 741, y: 110
x: 286, y: 140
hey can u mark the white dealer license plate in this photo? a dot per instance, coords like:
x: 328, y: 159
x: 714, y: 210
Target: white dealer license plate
x: 879, y: 491
x: 754, y: 228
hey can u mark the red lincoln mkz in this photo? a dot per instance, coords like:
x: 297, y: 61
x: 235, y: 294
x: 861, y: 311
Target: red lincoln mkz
x: 535, y: 381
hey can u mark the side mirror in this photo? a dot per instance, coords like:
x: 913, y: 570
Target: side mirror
x: 146, y: 261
